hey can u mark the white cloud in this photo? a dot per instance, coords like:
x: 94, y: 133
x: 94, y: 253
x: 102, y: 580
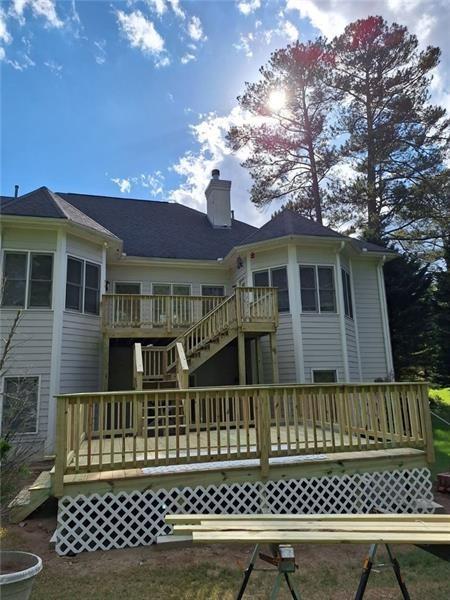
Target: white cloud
x: 5, y: 36
x: 123, y: 184
x: 289, y: 30
x: 39, y: 8
x: 100, y: 52
x: 175, y: 5
x: 54, y: 67
x: 195, y: 167
x: 245, y: 44
x: 2, y: 53
x: 249, y: 6
x: 141, y: 33
x: 159, y: 6
x: 186, y: 58
x: 19, y: 65
x: 195, y: 30
x: 285, y: 31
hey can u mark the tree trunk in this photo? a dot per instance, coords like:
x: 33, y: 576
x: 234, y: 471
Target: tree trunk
x: 373, y: 224
x: 313, y: 167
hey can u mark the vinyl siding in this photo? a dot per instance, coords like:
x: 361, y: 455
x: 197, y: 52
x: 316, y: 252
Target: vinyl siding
x: 321, y: 344
x: 285, y: 346
x: 31, y: 356
x: 370, y: 326
x: 352, y: 350
x: 84, y: 249
x: 16, y: 238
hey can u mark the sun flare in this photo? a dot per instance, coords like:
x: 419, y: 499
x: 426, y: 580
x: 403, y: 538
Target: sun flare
x: 277, y: 100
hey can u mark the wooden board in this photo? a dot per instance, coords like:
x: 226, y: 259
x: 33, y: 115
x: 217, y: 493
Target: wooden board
x: 318, y: 537
x: 172, y: 519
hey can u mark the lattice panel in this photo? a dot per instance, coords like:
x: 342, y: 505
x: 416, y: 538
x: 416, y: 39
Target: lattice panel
x: 102, y: 522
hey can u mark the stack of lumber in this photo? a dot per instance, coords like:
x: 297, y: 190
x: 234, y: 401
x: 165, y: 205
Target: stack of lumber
x: 314, y: 529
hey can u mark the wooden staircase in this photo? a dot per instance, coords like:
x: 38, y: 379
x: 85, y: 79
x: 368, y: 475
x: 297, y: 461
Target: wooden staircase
x: 31, y: 497
x: 247, y: 309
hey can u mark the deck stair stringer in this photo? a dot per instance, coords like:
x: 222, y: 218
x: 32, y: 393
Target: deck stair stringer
x: 31, y: 497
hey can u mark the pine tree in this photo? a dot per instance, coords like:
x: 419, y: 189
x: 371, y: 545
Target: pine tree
x: 410, y: 307
x: 396, y: 140
x: 442, y: 322
x: 290, y: 151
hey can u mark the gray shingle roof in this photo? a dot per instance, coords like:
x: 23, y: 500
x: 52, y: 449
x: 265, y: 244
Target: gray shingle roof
x: 163, y: 229
x: 288, y: 222
x: 46, y: 204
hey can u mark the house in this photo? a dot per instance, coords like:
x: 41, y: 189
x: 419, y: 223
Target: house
x: 124, y: 302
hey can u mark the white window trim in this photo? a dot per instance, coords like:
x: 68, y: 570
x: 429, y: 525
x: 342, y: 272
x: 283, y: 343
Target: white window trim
x: 170, y: 286
x: 318, y: 311
x: 202, y: 285
x: 38, y: 403
x: 83, y: 283
x: 139, y: 283
x: 351, y: 294
x: 269, y: 269
x: 27, y: 282
x: 314, y: 369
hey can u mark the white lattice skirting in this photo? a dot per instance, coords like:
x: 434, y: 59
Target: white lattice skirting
x: 102, y: 522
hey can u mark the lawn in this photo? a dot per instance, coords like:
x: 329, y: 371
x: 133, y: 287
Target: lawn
x: 215, y: 572
x: 441, y: 431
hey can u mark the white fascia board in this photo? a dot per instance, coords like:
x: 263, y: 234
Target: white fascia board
x: 168, y: 262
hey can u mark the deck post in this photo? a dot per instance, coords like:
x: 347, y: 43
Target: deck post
x: 273, y: 352
x: 61, y: 446
x: 105, y: 363
x: 428, y: 427
x: 241, y: 358
x: 259, y: 360
x: 264, y: 433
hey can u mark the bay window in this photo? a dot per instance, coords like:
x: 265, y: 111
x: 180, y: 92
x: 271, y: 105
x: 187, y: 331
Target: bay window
x: 83, y: 286
x: 317, y: 288
x: 277, y: 278
x: 27, y: 280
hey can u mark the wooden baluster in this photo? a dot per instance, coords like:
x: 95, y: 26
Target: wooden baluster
x: 156, y: 421
x: 187, y: 416
x: 413, y: 413
x: 197, y: 424
x: 264, y: 429
x: 287, y: 423
x: 145, y: 425
x: 166, y: 426
x: 427, y: 425
x: 101, y: 409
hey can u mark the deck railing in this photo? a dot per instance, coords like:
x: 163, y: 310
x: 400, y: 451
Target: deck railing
x: 120, y: 430
x: 128, y: 311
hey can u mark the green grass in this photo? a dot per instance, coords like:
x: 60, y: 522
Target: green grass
x: 440, y: 406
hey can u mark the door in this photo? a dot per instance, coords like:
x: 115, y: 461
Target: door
x: 127, y: 309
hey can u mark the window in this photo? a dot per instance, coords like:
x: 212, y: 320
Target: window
x: 92, y: 289
x: 20, y: 404
x: 276, y: 278
x: 181, y: 290
x: 317, y: 289
x: 161, y: 289
x: 213, y: 290
x: 83, y: 286
x: 27, y: 280
x: 324, y: 375
x: 347, y: 288
x: 127, y: 288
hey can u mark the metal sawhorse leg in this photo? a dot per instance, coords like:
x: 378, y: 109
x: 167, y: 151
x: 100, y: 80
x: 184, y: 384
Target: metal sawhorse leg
x: 283, y: 558
x: 367, y: 568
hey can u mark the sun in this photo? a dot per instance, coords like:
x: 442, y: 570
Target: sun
x: 277, y: 100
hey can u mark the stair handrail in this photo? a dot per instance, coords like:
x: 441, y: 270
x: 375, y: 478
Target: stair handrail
x: 208, y: 327
x: 138, y: 367
x: 182, y: 367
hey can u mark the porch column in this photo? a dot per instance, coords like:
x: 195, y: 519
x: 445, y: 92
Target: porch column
x: 259, y: 360
x: 241, y: 358
x: 295, y: 310
x: 341, y: 308
x: 274, y: 354
x: 105, y: 363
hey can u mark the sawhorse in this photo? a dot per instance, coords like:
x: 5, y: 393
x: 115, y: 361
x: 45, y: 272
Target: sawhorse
x: 283, y: 558
x: 367, y: 568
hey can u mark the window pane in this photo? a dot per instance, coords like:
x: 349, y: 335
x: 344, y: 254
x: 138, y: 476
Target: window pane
x: 327, y: 301
x: 13, y: 293
x: 348, y: 289
x: 73, y: 296
x: 261, y: 279
x: 91, y: 301
x: 325, y: 278
x: 14, y: 279
x: 283, y: 301
x: 41, y: 267
x: 181, y: 290
x: 324, y: 376
x: 127, y: 288
x: 213, y: 290
x: 74, y: 271
x: 326, y: 289
x: 20, y: 405
x: 92, y: 278
x: 41, y: 294
x: 161, y: 289
x: 308, y: 289
x: 279, y: 280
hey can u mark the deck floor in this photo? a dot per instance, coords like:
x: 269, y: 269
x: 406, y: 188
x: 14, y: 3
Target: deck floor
x: 229, y: 443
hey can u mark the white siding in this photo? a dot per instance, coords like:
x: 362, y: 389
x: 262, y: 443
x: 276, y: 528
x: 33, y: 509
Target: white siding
x: 322, y: 347
x: 80, y: 353
x: 83, y: 249
x: 28, y: 239
x: 285, y: 347
x: 352, y: 351
x: 370, y: 326
x: 31, y: 356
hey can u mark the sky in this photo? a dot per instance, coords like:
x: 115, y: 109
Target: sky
x: 134, y: 98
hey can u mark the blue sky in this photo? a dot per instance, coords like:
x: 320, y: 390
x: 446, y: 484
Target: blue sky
x: 134, y: 98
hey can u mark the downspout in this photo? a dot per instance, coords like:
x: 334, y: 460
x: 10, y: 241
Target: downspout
x: 340, y: 296
x: 385, y: 320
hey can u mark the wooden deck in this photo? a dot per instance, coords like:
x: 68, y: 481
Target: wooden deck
x: 254, y: 429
